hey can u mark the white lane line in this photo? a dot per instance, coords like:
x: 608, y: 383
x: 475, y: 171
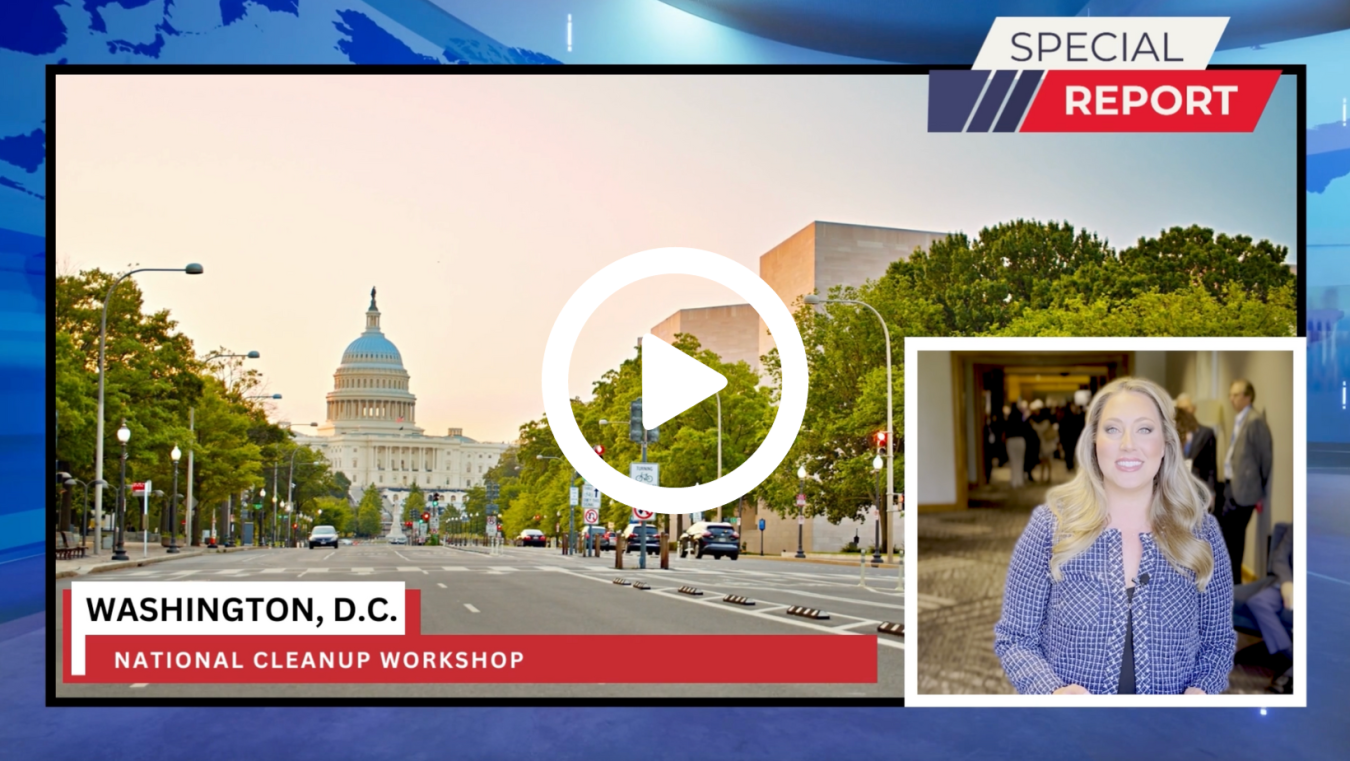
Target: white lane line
x: 472, y: 609
x: 454, y: 568
x: 138, y: 686
x: 329, y: 555
x: 363, y: 570
x: 183, y: 574
x: 400, y: 554
x: 713, y: 600
x: 315, y: 570
x: 273, y: 570
x: 504, y: 568
x: 442, y: 586
x: 410, y: 569
x: 143, y: 573
x: 230, y: 572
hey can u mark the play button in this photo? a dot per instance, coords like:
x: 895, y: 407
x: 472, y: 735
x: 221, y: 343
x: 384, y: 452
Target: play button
x: 673, y: 381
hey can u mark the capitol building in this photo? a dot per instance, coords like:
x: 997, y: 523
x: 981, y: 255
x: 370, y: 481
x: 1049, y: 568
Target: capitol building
x: 371, y: 433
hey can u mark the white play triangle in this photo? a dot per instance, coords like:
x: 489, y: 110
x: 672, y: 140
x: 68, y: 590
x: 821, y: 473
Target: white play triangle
x: 672, y: 381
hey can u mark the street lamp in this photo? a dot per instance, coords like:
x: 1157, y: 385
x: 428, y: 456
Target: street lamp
x: 571, y: 509
x: 801, y: 520
x: 84, y: 512
x: 813, y: 299
x: 99, y: 483
x: 119, y: 549
x: 173, y: 503
x: 264, y: 396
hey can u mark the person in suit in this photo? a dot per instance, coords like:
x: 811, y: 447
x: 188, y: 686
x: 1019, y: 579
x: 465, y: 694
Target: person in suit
x: 1200, y: 446
x: 1016, y: 444
x: 1070, y: 429
x: 1119, y: 583
x: 1265, y: 600
x: 1247, y: 470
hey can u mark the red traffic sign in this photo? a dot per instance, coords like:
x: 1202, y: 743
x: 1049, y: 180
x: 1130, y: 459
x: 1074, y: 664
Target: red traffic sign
x: 801, y: 500
x: 138, y: 489
x: 591, y: 516
x: 642, y: 515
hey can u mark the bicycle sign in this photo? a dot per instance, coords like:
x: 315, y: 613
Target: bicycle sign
x: 642, y: 515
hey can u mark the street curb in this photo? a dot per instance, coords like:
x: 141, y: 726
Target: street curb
x: 104, y: 568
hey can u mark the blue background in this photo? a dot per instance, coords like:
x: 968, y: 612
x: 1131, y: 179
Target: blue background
x: 35, y: 33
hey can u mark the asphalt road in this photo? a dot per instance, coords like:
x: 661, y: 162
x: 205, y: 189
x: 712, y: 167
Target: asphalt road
x: 539, y: 591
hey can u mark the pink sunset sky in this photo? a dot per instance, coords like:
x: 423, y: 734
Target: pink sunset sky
x: 477, y: 204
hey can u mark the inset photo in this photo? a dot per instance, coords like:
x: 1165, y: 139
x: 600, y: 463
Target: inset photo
x: 1105, y: 521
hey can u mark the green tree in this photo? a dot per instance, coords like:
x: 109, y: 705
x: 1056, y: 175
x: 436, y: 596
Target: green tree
x: 369, y: 512
x: 1191, y: 312
x: 331, y: 511
x: 415, y: 504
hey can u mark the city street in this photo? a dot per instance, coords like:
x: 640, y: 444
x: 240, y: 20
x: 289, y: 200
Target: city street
x: 539, y: 591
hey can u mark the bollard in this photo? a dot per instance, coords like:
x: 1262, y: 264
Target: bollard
x: 900, y: 571
x: 618, y: 557
x: 665, y: 552
x: 862, y: 570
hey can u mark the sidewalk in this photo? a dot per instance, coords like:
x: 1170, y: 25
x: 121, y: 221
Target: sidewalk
x: 137, y: 553
x: 845, y: 559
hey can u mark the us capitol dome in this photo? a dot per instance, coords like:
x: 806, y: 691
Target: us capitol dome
x: 371, y: 435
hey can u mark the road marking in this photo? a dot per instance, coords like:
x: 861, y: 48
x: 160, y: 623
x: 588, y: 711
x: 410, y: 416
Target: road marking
x: 315, y: 570
x: 410, y: 569
x: 230, y: 571
x: 143, y: 573
x: 442, y: 586
x: 183, y: 573
x: 138, y: 686
x: 273, y: 570
x: 714, y: 600
x: 504, y: 568
x: 400, y: 554
x: 329, y: 555
x: 363, y: 570
x: 454, y: 568
x: 472, y: 609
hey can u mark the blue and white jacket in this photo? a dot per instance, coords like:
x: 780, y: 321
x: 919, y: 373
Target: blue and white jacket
x: 1053, y: 634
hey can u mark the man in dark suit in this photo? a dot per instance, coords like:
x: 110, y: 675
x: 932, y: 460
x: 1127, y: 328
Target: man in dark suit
x: 1070, y: 430
x: 1247, y: 469
x: 1200, y: 447
x: 1266, y: 599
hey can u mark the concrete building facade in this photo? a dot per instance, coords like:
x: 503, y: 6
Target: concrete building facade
x: 731, y: 332
x: 371, y: 435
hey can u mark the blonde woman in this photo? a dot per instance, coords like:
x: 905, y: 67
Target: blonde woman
x: 1112, y: 587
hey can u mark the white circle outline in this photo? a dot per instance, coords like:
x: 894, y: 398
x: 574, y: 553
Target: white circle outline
x: 675, y: 261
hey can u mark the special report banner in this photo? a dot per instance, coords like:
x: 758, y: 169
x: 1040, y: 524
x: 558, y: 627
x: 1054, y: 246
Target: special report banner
x: 370, y: 632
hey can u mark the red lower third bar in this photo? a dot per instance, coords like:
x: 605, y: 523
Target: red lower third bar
x: 505, y: 659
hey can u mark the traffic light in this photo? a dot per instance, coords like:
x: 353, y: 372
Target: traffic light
x: 426, y: 517
x: 600, y: 449
x: 881, y: 439
x: 294, y: 526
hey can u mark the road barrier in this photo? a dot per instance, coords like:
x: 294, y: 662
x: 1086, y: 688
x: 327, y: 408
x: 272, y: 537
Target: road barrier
x: 640, y: 585
x: 886, y: 627
x: 618, y: 554
x: 624, y: 582
x: 691, y: 591
x: 862, y: 569
x: 797, y: 610
x: 738, y: 600
x: 665, y: 551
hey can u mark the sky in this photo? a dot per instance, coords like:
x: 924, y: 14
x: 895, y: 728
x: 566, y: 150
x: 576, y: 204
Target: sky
x: 477, y: 204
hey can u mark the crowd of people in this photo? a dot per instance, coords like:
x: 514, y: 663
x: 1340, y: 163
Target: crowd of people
x: 1028, y: 436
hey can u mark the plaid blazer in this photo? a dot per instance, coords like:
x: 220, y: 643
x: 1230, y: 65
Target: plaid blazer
x: 1053, y: 634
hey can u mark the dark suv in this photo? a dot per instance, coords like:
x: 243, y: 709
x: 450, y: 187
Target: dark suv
x: 633, y: 535
x: 589, y: 533
x: 716, y: 539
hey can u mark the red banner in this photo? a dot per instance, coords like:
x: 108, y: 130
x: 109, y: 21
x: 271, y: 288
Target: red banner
x: 1150, y: 101
x: 478, y: 658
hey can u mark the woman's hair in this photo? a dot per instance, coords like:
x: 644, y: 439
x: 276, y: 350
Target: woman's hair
x: 1186, y: 422
x: 1180, y: 501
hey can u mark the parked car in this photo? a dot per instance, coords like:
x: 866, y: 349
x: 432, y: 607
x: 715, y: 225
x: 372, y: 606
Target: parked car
x: 606, y: 537
x: 323, y: 536
x: 531, y: 537
x: 708, y: 538
x: 398, y: 540
x: 632, y: 538
x: 347, y: 542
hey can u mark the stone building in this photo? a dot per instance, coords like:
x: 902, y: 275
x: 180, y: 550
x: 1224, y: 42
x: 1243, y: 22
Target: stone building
x: 371, y: 433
